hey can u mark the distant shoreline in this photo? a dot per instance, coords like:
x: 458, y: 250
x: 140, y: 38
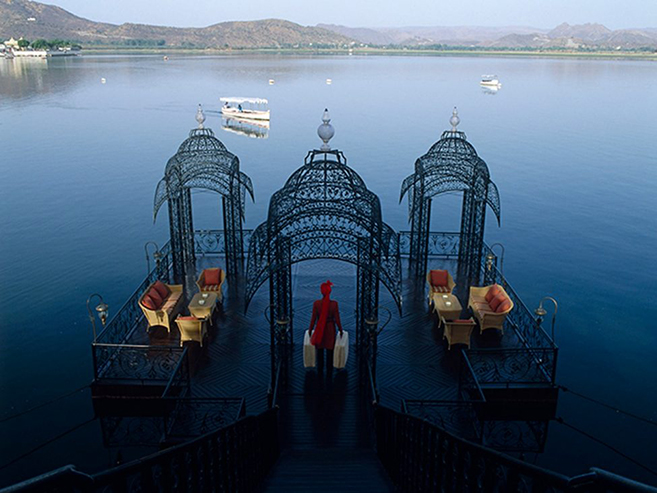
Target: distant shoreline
x: 604, y: 55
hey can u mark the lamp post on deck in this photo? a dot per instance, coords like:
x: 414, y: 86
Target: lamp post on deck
x: 541, y: 312
x: 490, y: 258
x: 102, y: 309
x: 156, y: 255
x: 373, y: 333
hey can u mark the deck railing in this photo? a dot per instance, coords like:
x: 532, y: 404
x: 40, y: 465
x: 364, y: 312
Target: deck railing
x: 420, y: 456
x: 440, y: 245
x: 234, y: 458
x: 166, y: 365
x: 213, y: 241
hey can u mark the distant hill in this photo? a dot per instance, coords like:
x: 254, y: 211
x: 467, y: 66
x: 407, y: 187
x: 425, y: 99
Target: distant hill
x: 33, y: 20
x: 563, y: 36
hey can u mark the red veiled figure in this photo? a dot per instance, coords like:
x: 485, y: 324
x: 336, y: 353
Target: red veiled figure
x: 327, y: 316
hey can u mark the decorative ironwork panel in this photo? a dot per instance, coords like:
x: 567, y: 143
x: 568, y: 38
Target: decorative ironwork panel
x: 142, y: 363
x: 203, y: 162
x: 193, y: 417
x: 450, y: 165
x: 510, y: 366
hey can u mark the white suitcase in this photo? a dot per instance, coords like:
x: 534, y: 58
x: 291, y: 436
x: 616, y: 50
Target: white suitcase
x: 308, y: 352
x: 341, y: 350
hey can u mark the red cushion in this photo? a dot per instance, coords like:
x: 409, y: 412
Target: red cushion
x: 162, y: 289
x: 495, y: 302
x: 212, y: 276
x: 155, y: 296
x: 148, y: 302
x: 187, y: 318
x: 493, y: 291
x: 504, y: 306
x: 438, y: 278
x: 460, y: 321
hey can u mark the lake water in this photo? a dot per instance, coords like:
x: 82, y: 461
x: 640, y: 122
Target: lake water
x: 569, y: 143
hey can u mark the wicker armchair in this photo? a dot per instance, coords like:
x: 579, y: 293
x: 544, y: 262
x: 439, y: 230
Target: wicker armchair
x: 192, y: 329
x: 163, y: 313
x: 437, y: 290
x: 485, y: 308
x: 458, y: 332
x: 205, y: 287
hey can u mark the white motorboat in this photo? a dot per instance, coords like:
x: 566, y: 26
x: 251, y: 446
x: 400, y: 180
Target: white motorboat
x: 490, y: 80
x: 245, y: 108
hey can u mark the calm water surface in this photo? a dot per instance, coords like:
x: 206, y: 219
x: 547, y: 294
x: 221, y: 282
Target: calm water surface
x: 570, y: 144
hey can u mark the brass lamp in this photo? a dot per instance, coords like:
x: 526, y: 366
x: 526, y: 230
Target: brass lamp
x: 102, y: 310
x: 540, y: 312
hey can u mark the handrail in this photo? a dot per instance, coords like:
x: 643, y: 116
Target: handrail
x: 464, y: 357
x: 183, y: 360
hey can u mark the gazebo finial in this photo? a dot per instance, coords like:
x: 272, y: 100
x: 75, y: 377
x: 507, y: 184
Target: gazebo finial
x: 454, y: 120
x: 200, y: 116
x: 326, y: 131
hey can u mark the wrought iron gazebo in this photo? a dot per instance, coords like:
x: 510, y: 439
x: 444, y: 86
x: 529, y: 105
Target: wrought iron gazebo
x: 450, y: 165
x: 324, y: 211
x: 203, y: 162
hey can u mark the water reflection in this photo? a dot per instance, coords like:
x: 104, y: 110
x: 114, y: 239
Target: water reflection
x: 249, y: 128
x: 490, y: 90
x: 28, y: 77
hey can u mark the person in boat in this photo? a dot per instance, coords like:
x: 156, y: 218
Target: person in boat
x: 239, y: 107
x: 326, y: 315
x: 226, y: 105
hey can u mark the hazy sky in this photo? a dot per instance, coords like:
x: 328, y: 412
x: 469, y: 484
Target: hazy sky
x: 372, y: 13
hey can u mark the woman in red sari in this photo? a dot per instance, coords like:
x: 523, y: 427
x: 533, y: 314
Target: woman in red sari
x: 327, y: 316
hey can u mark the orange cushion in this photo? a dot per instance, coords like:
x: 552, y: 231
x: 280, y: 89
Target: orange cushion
x: 493, y: 292
x: 495, y: 302
x: 162, y: 289
x: 504, y: 306
x: 438, y: 277
x: 460, y: 321
x: 212, y: 276
x: 148, y: 302
x: 155, y: 296
x: 187, y: 318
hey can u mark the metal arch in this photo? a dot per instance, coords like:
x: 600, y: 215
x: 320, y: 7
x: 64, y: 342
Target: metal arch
x: 451, y: 164
x: 324, y: 210
x: 203, y: 162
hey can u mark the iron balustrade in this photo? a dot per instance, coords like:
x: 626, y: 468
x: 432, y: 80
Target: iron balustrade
x: 197, y: 416
x: 145, y: 364
x: 213, y: 241
x: 420, y: 456
x: 461, y: 419
x: 510, y: 366
x: 440, y: 244
x: 234, y: 458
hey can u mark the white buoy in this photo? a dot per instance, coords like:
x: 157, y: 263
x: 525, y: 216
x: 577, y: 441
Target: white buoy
x: 271, y: 82
x: 329, y: 81
x: 103, y: 80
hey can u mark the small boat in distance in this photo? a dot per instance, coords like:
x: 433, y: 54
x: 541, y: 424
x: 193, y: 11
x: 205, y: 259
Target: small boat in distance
x: 490, y: 80
x: 245, y: 108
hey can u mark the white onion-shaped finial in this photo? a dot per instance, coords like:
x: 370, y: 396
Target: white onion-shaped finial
x: 326, y: 131
x: 200, y: 116
x: 454, y: 120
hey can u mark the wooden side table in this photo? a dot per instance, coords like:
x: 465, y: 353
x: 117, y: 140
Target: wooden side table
x: 447, y: 306
x: 203, y: 305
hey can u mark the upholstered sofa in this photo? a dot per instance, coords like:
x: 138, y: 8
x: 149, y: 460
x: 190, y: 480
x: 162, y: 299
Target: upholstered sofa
x: 490, y: 306
x: 161, y: 303
x: 211, y: 281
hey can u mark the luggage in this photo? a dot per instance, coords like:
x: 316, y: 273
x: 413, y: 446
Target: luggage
x: 341, y: 350
x: 308, y: 352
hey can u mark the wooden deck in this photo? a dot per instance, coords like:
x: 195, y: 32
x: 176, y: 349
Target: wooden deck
x: 324, y: 419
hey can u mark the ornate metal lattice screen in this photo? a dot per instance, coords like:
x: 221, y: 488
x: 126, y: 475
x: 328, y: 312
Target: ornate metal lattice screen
x: 325, y: 211
x: 450, y: 165
x: 203, y: 162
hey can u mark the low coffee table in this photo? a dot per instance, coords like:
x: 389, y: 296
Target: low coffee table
x: 203, y: 305
x: 447, y: 305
